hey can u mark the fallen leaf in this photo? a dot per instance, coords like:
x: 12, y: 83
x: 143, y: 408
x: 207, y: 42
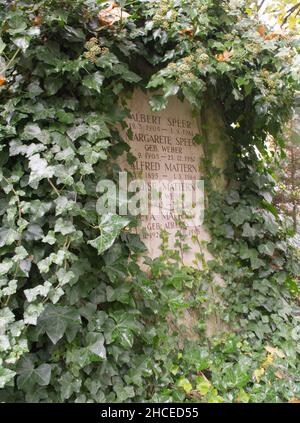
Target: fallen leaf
x: 262, y: 30
x: 112, y: 14
x: 275, y: 351
x: 276, y: 34
x: 37, y: 21
x: 188, y: 31
x: 269, y: 360
x: 258, y: 373
x: 224, y: 57
x: 2, y: 81
x: 279, y: 375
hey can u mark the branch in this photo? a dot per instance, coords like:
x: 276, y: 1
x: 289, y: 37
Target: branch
x: 290, y: 12
x: 261, y: 5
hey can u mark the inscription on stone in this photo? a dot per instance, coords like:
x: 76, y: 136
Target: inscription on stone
x: 165, y: 151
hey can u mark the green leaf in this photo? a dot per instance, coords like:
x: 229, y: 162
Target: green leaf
x: 64, y: 227
x: 203, y: 385
x: 39, y: 169
x: 96, y: 344
x: 31, y: 131
x: 267, y: 248
x: 170, y: 89
x: 240, y: 215
x: 77, y: 131
x: 123, y: 392
x: 158, y: 103
x: 248, y: 231
x: 6, y: 376
x: 55, y: 320
x: 64, y: 117
x: 110, y: 228
x: 53, y: 84
x: 29, y: 375
x: 185, y: 384
x: 126, y: 74
x: 5, y: 267
x: 94, y: 81
x: 8, y: 236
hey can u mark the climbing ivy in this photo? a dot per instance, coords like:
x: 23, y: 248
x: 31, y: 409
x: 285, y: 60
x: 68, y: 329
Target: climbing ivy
x: 80, y: 321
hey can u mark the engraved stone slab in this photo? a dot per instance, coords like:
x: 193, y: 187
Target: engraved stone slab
x: 165, y: 151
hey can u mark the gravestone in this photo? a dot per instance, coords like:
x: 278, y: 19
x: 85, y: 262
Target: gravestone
x: 163, y: 144
x: 167, y: 155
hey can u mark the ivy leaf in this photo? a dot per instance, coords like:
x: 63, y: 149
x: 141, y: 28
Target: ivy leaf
x: 22, y: 43
x: 123, y: 392
x: 203, y: 385
x: 94, y: 81
x: 267, y: 248
x: 77, y: 131
x: 110, y: 227
x: 64, y: 117
x: 158, y: 103
x: 233, y: 197
x: 39, y: 169
x: 31, y: 131
x: 65, y: 277
x: 96, y: 344
x: 170, y: 89
x: 53, y: 84
x: 55, y: 320
x: 185, y: 384
x: 248, y: 231
x: 126, y: 74
x: 8, y: 236
x: 64, y: 227
x: 240, y: 215
x: 126, y: 326
x: 42, y: 290
x: 29, y: 375
x: 74, y: 34
x: 6, y: 375
x: 5, y: 267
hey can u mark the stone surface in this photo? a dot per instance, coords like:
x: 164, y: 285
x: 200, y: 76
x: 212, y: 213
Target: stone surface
x: 164, y: 147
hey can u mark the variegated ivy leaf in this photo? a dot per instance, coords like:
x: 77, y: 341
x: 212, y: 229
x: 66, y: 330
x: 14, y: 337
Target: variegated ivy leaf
x: 6, y: 375
x: 5, y: 266
x: 40, y: 290
x: 110, y: 228
x: 32, y: 313
x: 39, y: 169
x: 10, y: 289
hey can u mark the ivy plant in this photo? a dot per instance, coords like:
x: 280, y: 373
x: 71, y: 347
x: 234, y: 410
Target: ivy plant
x: 80, y: 320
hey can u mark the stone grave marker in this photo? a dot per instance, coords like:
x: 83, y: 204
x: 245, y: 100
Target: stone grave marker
x: 168, y: 161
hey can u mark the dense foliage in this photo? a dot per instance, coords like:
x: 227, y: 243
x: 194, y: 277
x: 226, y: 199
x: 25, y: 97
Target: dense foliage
x: 79, y: 320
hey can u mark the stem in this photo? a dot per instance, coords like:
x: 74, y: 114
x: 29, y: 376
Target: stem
x: 260, y: 5
x: 11, y: 60
x: 290, y: 12
x: 54, y: 187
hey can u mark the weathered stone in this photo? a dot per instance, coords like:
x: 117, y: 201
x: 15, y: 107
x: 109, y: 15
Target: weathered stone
x: 165, y: 149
